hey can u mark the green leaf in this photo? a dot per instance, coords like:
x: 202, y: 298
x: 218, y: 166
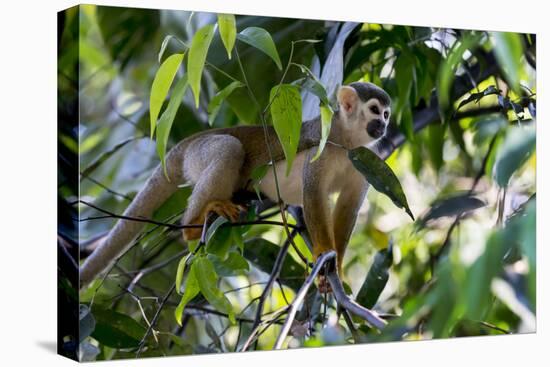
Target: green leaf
x: 261, y: 253
x: 216, y: 102
x: 286, y: 111
x: 509, y: 50
x: 486, y: 128
x: 515, y: 150
x: 161, y: 85
x: 127, y: 33
x: 228, y: 31
x: 256, y: 176
x: 449, y: 65
x: 261, y: 39
x: 452, y: 206
x: 219, y: 240
x: 116, y: 330
x: 326, y: 122
x: 234, y: 264
x: 208, y: 279
x: 167, y: 119
x: 436, y: 139
x: 190, y: 291
x: 312, y: 84
x: 181, y: 271
x: 377, y: 278
x: 197, y: 58
x: 380, y: 176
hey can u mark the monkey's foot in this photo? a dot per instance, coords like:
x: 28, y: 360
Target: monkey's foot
x: 324, y: 285
x: 223, y: 208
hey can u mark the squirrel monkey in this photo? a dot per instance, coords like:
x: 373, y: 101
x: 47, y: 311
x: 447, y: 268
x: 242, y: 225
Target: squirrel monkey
x: 218, y: 163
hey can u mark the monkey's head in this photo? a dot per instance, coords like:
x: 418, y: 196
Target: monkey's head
x: 365, y: 110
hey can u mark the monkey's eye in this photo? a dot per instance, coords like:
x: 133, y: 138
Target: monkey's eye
x: 386, y: 115
x: 375, y: 110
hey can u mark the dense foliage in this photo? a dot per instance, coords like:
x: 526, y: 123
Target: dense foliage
x: 462, y: 148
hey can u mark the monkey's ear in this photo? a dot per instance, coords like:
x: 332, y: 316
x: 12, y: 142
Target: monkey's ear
x: 347, y: 99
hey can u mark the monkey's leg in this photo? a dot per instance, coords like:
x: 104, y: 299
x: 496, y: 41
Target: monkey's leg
x: 317, y: 207
x: 345, y: 212
x: 214, y: 164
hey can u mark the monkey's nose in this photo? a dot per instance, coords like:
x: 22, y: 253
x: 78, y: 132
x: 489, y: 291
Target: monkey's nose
x: 375, y: 128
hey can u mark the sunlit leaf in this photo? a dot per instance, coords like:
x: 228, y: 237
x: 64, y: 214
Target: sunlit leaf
x: 261, y: 39
x: 161, y: 85
x: 181, y: 271
x: 517, y: 147
x: 380, y: 176
x: 167, y: 119
x: 326, y: 121
x: 286, y: 112
x: 208, y: 279
x: 216, y: 102
x: 377, y: 278
x: 190, y: 291
x: 197, y: 58
x: 228, y: 31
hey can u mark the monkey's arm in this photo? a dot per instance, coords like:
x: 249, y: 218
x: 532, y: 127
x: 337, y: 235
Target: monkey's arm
x: 316, y: 202
x: 345, y: 212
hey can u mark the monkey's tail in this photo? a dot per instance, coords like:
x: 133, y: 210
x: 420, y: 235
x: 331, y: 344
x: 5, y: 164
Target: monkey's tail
x: 156, y: 191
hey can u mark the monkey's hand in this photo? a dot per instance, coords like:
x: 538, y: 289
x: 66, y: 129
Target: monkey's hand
x: 223, y: 208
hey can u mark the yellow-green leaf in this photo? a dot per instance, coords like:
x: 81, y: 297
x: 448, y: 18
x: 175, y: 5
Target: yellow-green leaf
x: 286, y: 112
x: 161, y: 85
x: 326, y: 121
x: 208, y: 279
x: 190, y: 291
x: 261, y: 39
x: 181, y: 271
x: 197, y: 58
x: 228, y: 31
x: 167, y: 118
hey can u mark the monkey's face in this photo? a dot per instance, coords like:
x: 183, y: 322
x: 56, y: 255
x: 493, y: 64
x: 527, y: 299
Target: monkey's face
x: 376, y: 116
x: 365, y: 111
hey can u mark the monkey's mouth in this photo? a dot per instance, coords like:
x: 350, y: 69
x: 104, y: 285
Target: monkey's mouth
x: 376, y: 129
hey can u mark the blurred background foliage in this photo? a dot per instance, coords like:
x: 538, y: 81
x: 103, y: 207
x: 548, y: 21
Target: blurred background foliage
x: 466, y: 162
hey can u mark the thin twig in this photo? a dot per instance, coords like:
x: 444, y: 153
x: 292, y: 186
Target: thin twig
x: 275, y: 272
x: 155, y: 318
x: 297, y: 302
